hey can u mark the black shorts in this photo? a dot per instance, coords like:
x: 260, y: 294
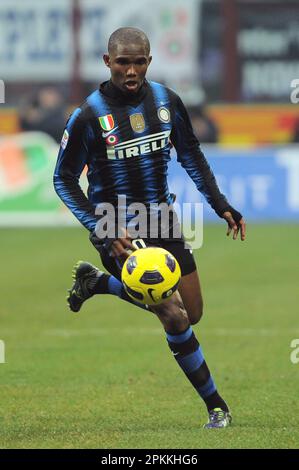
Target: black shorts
x: 178, y: 247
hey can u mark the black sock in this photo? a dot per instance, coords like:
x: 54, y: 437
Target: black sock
x: 215, y: 401
x: 99, y: 285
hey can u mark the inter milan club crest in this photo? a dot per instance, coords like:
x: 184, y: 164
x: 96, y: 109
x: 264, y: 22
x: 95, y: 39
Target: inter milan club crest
x: 137, y: 122
x: 164, y: 114
x: 106, y: 122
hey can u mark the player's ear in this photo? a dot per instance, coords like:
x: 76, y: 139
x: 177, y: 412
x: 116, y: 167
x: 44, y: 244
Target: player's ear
x: 149, y: 59
x: 106, y: 59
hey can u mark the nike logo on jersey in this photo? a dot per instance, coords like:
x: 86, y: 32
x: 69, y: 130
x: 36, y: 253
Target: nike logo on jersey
x: 106, y: 134
x: 141, y: 146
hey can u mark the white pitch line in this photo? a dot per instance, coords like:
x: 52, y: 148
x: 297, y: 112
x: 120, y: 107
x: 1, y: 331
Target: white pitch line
x: 158, y: 331
x: 102, y: 332
x: 251, y: 332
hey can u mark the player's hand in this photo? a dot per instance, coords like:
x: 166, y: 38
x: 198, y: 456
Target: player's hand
x: 122, y: 247
x: 233, y: 226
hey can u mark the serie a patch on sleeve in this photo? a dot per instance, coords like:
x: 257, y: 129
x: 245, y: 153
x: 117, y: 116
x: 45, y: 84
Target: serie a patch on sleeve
x: 65, y: 139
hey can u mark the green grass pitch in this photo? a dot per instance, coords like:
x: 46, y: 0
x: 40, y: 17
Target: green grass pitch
x: 105, y: 378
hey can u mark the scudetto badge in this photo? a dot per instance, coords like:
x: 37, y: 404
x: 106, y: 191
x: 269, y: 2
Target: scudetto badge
x: 137, y: 122
x: 164, y: 114
x: 106, y: 122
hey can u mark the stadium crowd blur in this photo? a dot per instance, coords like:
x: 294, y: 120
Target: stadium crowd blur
x: 44, y: 111
x: 245, y: 57
x: 204, y: 126
x: 234, y: 63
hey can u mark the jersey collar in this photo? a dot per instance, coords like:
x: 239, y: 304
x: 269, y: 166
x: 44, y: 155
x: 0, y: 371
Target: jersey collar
x: 113, y: 92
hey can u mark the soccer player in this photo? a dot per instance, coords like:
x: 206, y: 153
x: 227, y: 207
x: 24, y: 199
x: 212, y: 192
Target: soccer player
x: 123, y: 132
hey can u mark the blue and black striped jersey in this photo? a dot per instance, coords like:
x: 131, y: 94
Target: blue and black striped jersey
x: 125, y: 143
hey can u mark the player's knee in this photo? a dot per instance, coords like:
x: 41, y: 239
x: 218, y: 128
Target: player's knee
x: 173, y: 315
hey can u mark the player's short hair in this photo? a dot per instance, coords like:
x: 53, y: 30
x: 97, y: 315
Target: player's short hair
x: 126, y: 36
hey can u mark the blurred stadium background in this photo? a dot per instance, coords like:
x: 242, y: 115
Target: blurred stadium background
x: 233, y: 62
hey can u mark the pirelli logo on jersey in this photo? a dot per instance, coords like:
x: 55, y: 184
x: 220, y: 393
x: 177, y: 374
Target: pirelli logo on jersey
x: 141, y: 146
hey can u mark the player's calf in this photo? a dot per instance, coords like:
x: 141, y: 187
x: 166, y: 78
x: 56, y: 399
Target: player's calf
x: 190, y: 291
x: 195, y: 312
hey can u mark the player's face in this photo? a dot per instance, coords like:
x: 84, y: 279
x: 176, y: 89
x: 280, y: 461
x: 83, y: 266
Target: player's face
x: 128, y: 65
